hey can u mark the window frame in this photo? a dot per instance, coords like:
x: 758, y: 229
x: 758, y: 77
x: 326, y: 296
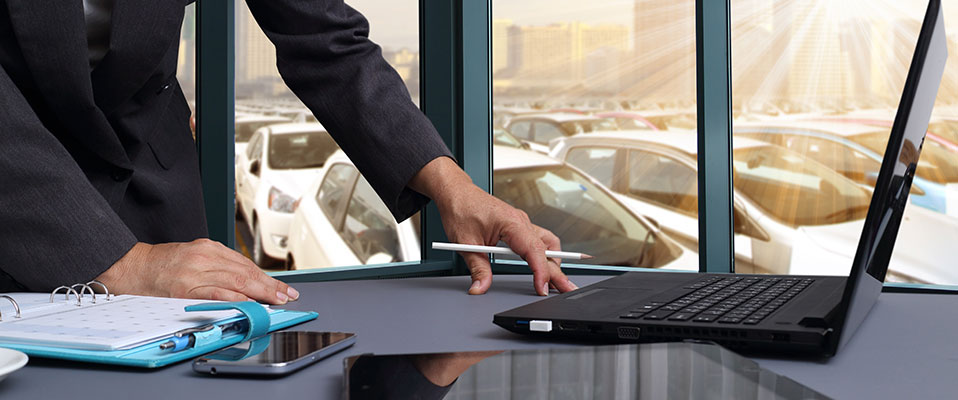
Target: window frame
x: 456, y: 94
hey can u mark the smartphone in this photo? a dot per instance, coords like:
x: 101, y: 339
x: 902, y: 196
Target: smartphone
x: 278, y: 353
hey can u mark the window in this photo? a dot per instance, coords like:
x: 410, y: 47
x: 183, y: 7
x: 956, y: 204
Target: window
x: 599, y: 163
x: 844, y: 159
x: 573, y: 70
x: 186, y: 60
x: 300, y: 150
x: 256, y: 148
x: 545, y: 132
x: 299, y: 146
x: 823, y: 80
x: 335, y: 190
x: 521, y: 129
x: 663, y: 181
x: 369, y: 228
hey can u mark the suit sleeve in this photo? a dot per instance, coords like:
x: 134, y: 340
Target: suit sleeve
x: 324, y: 55
x: 55, y: 227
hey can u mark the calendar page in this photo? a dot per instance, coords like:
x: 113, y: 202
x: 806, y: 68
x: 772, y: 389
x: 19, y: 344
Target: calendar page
x: 120, y: 323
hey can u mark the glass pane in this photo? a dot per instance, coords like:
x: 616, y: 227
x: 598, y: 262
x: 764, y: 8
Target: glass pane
x: 580, y: 86
x: 816, y: 88
x: 304, y: 207
x: 186, y: 63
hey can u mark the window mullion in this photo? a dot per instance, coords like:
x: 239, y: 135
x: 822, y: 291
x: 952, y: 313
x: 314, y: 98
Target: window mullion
x: 214, y: 110
x: 714, y: 100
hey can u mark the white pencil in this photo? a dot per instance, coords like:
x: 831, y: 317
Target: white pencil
x: 471, y: 248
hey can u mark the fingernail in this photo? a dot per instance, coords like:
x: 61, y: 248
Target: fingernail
x: 282, y: 297
x: 574, y: 286
x: 293, y: 293
x: 474, y: 287
x: 545, y: 289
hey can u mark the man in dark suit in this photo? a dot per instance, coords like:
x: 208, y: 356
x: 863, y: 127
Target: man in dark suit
x: 99, y: 172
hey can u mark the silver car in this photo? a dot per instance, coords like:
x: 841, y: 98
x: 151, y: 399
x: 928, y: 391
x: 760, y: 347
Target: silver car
x: 792, y: 215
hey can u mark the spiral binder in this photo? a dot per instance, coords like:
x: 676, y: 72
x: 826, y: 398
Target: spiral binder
x: 84, y: 287
x: 128, y: 329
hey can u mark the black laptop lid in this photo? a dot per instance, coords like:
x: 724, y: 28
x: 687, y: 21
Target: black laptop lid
x: 894, y: 181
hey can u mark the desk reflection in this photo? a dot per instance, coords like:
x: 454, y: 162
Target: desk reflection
x: 648, y: 371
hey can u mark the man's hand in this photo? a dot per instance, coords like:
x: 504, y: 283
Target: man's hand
x: 201, y: 269
x: 472, y: 216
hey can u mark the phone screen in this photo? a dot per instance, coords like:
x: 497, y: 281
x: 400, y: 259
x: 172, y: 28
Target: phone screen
x: 277, y: 348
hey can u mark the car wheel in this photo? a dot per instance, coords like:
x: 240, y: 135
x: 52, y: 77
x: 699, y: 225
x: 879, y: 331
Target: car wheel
x: 259, y: 255
x: 290, y: 263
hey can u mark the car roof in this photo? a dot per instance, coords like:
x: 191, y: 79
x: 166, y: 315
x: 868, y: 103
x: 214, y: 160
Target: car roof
x: 504, y: 157
x: 295, y: 127
x: 556, y: 117
x: 682, y: 140
x: 834, y: 128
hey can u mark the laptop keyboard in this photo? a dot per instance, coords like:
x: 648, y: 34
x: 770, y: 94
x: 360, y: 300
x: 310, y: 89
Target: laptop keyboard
x: 732, y: 300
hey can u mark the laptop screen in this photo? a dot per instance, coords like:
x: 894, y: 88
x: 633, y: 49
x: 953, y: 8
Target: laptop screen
x: 897, y: 171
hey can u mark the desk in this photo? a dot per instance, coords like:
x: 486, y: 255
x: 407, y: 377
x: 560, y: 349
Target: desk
x: 435, y: 315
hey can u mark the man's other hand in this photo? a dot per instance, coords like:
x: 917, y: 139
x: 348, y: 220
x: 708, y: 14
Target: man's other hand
x: 201, y: 269
x: 472, y: 216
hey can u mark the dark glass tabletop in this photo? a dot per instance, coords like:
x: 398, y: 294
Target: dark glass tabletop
x: 647, y: 371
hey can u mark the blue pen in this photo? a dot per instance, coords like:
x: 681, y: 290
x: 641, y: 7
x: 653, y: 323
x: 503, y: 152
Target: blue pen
x: 186, y: 338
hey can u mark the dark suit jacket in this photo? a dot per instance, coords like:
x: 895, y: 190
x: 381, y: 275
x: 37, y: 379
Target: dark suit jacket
x: 92, y: 162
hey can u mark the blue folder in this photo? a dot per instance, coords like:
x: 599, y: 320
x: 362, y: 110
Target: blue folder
x: 254, y: 320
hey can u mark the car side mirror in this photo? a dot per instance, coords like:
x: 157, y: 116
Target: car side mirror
x: 254, y: 167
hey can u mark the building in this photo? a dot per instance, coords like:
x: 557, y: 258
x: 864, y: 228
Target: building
x: 500, y: 44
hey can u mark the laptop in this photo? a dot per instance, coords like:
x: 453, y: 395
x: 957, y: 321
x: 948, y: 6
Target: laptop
x: 763, y: 313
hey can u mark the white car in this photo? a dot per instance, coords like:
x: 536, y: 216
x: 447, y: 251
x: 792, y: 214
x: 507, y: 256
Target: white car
x: 341, y: 221
x: 791, y: 215
x: 278, y: 165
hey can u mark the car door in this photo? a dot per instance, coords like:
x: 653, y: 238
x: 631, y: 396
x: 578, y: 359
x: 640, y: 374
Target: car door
x: 332, y: 197
x: 369, y: 228
x: 664, y: 189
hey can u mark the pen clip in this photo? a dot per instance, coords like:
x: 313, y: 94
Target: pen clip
x: 190, y: 331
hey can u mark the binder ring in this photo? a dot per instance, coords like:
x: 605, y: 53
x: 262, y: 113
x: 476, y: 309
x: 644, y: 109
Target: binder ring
x: 15, y: 305
x: 105, y: 290
x: 65, y: 294
x: 85, y: 288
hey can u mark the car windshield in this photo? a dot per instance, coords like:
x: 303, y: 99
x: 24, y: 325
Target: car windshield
x: 300, y: 150
x: 586, y: 218
x: 797, y: 191
x: 588, y: 125
x: 244, y: 130
x: 678, y: 121
x: 936, y: 164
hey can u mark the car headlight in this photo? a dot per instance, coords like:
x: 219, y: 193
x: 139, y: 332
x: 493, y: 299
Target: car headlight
x: 281, y: 202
